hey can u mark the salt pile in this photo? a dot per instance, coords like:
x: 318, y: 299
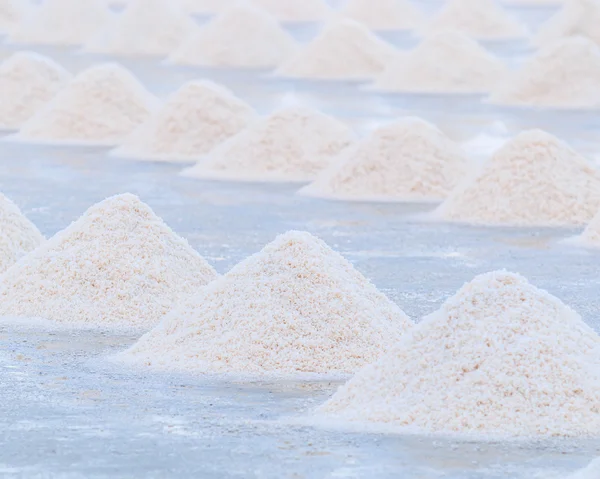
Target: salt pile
x: 296, y: 10
x: 577, y: 17
x: 192, y: 121
x: 564, y: 75
x: 117, y: 266
x: 61, y: 22
x: 501, y: 357
x: 11, y: 13
x: 101, y: 105
x: 206, y: 7
x: 291, y: 144
x: 533, y: 180
x: 295, y: 307
x: 591, y: 234
x: 343, y: 50
x: 447, y: 62
x: 146, y: 27
x: 242, y: 36
x: 408, y: 160
x: 18, y: 235
x: 27, y: 81
x: 384, y: 14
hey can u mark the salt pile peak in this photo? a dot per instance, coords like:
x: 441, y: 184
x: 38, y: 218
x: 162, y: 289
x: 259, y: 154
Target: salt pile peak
x: 27, y: 81
x: 501, y: 357
x: 407, y: 160
x: 576, y: 18
x: 242, y: 36
x: 118, y: 266
x: 384, y: 14
x: 533, y: 180
x: 296, y: 11
x: 344, y: 49
x: 101, y: 105
x: 446, y: 62
x: 192, y: 121
x: 291, y: 144
x: 295, y: 307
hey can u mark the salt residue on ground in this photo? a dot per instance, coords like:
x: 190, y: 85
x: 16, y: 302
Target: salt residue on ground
x: 12, y: 13
x: 533, y: 180
x: 27, y: 81
x: 384, y: 14
x: 296, y: 10
x: 297, y: 306
x: 343, y: 50
x: 243, y: 36
x: 291, y: 144
x: 577, y: 17
x: 206, y: 7
x: 501, y: 357
x: 566, y: 74
x: 447, y: 62
x: 118, y: 266
x: 191, y: 122
x: 101, y: 105
x: 407, y: 160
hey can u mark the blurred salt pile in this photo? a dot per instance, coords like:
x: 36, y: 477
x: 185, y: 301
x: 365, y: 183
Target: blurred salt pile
x: 296, y: 10
x: 577, y: 17
x: 11, y: 13
x: 384, y: 14
x: 193, y: 120
x: 291, y: 144
x: 206, y: 7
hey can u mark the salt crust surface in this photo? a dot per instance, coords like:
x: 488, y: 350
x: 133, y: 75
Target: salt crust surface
x: 344, y: 49
x: 533, y: 180
x: 384, y: 14
x: 61, y: 22
x: 446, y: 62
x: 501, y: 357
x: 28, y: 81
x: 101, y: 105
x: 592, y: 471
x: 295, y: 307
x: 407, y: 160
x: 296, y: 10
x: 575, y: 18
x: 243, y: 36
x: 291, y: 144
x: 146, y: 27
x: 11, y: 13
x: 192, y: 121
x: 18, y: 235
x: 118, y: 266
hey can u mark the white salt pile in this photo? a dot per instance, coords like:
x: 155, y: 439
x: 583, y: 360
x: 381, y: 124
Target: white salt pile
x: 592, y: 471
x: 576, y: 18
x: 291, y: 144
x: 117, y: 266
x: 27, y: 81
x: 533, y: 180
x: 564, y: 75
x: 62, y: 22
x: 295, y: 307
x: 242, y: 36
x: 408, y: 160
x: 206, y: 7
x: 296, y: 10
x: 18, y: 235
x: 447, y: 62
x: 384, y: 14
x: 343, y: 50
x: 11, y: 13
x: 146, y: 27
x: 501, y: 357
x: 101, y: 105
x: 191, y: 122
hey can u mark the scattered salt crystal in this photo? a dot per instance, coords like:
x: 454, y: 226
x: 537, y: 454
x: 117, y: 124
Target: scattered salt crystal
x: 576, y: 18
x: 296, y: 10
x: 384, y: 14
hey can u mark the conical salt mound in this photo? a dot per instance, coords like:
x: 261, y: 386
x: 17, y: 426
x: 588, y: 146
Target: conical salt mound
x: 408, y: 160
x: 291, y: 144
x: 501, y: 357
x: 192, y: 121
x: 206, y: 7
x: 100, y: 106
x: 566, y: 74
x: 343, y: 50
x: 481, y: 19
x: 241, y: 37
x: 18, y: 235
x: 28, y: 81
x: 117, y: 266
x: 533, y: 180
x: 384, y: 14
x: 12, y: 13
x: 61, y: 22
x: 576, y: 18
x: 296, y: 10
x: 447, y: 62
x: 295, y: 307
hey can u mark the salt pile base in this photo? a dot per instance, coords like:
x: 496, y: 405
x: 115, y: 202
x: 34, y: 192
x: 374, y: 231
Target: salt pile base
x: 192, y: 121
x: 292, y: 144
x: 408, y: 160
x: 533, y: 180
x: 100, y: 106
x: 577, y: 17
x: 501, y: 357
x: 117, y: 266
x: 295, y: 307
x: 242, y: 36
x: 296, y: 11
x: 384, y: 14
x: 343, y: 50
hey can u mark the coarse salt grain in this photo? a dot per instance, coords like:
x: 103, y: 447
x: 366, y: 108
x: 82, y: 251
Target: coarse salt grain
x: 576, y: 18
x: 296, y: 10
x: 384, y: 14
